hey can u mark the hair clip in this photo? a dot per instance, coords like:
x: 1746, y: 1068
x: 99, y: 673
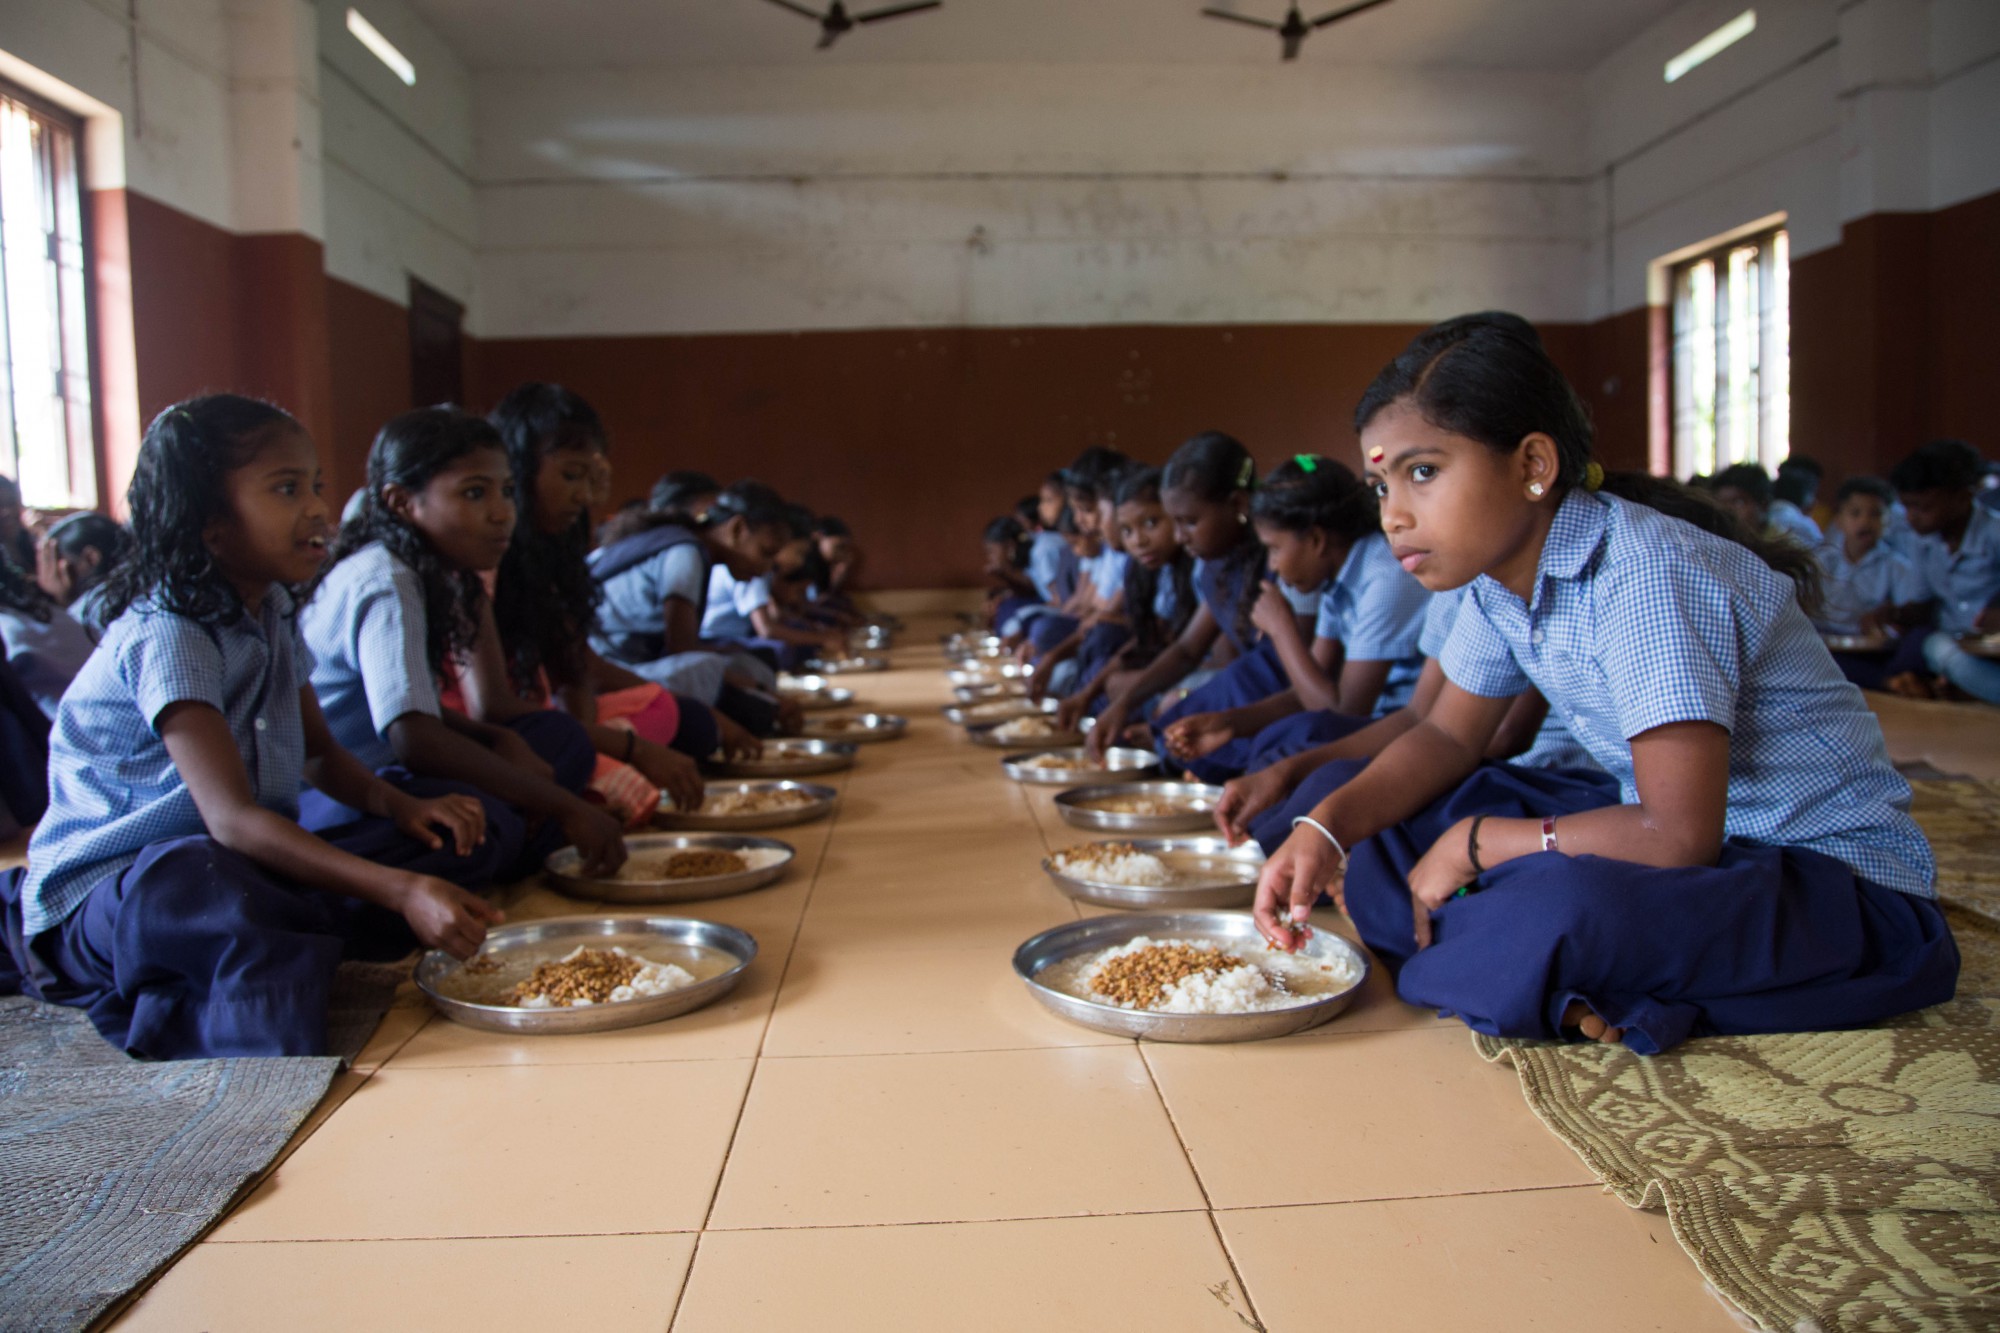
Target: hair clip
x: 1246, y: 474
x: 1307, y: 463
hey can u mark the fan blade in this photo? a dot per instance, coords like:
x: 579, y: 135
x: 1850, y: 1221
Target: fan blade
x: 812, y: 14
x: 1241, y: 18
x: 827, y: 37
x: 897, y: 11
x: 1293, y: 41
x: 1349, y: 12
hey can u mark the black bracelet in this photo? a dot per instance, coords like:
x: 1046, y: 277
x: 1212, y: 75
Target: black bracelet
x: 1472, y: 845
x: 631, y: 739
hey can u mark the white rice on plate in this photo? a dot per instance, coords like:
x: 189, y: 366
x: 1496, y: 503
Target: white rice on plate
x: 651, y: 979
x: 1034, y: 727
x: 1113, y: 863
x: 1270, y: 979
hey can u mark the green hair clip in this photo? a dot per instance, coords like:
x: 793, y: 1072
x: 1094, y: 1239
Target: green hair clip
x: 1307, y: 463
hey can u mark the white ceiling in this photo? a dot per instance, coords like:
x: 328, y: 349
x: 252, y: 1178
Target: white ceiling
x: 1569, y: 35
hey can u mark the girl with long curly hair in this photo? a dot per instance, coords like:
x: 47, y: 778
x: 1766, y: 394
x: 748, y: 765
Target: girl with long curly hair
x: 401, y: 599
x: 171, y: 892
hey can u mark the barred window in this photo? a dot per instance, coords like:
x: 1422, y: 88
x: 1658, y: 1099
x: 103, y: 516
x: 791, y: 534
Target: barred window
x: 47, y: 441
x: 1732, y: 357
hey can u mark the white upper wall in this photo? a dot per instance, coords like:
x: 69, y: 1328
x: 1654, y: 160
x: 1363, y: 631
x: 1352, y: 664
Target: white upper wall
x: 159, y: 76
x: 912, y: 195
x: 838, y: 193
x: 1832, y: 110
x: 399, y: 158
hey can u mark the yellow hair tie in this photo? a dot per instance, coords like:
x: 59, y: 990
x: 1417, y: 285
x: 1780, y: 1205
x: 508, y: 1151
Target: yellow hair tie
x: 1593, y: 476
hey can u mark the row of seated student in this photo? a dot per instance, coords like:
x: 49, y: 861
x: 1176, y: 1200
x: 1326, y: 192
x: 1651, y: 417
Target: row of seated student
x: 1566, y: 745
x: 1911, y: 563
x: 263, y: 744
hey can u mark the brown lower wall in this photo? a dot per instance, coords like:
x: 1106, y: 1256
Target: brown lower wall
x: 368, y: 342
x: 919, y: 436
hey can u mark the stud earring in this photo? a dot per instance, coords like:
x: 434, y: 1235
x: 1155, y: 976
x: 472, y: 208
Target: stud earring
x: 1241, y: 519
x: 1536, y: 489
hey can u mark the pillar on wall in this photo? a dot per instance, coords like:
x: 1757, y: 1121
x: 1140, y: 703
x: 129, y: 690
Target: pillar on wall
x: 1861, y: 316
x: 277, y: 177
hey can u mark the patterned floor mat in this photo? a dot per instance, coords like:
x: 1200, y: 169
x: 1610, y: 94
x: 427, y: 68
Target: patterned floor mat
x: 1830, y: 1180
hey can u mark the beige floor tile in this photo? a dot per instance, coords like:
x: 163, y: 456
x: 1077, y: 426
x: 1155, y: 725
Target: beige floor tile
x: 928, y: 1138
x: 991, y: 900
x: 1378, y: 1115
x: 1953, y: 737
x: 1556, y: 1261
x: 345, y: 1084
x: 607, y: 1284
x: 588, y: 1150
x: 1160, y: 1272
x: 405, y: 1019
x: 894, y: 1002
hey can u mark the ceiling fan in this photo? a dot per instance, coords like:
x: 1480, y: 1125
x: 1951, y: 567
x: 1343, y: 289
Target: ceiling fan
x: 837, y: 21
x: 1296, y: 27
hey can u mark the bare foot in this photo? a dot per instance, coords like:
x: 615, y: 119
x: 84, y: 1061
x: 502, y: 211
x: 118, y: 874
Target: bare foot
x: 1579, y: 1016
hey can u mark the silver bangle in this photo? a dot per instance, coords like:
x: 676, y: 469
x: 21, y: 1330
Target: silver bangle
x: 1326, y: 833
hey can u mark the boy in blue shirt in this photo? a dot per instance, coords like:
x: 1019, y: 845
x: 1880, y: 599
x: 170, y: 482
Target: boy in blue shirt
x: 1958, y: 558
x: 1863, y: 580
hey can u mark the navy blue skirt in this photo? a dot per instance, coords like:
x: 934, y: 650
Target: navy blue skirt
x: 1008, y: 608
x: 1255, y: 676
x: 195, y: 951
x: 1768, y: 939
x: 1298, y: 733
x: 516, y: 843
x: 1103, y: 643
x: 1046, y: 631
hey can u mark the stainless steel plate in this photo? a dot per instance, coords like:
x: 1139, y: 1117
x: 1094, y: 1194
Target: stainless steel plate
x: 1120, y: 765
x: 694, y: 945
x: 983, y: 733
x: 866, y: 728
x: 1005, y: 689
x: 565, y: 868
x: 1224, y: 876
x: 973, y: 714
x: 848, y: 666
x: 994, y: 673
x: 1234, y: 928
x: 790, y: 757
x: 814, y: 692
x: 821, y: 804
x: 1078, y: 807
x: 1981, y: 645
x: 1859, y: 643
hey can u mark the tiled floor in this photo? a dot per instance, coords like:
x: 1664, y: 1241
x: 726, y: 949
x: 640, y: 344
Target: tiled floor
x: 881, y: 1130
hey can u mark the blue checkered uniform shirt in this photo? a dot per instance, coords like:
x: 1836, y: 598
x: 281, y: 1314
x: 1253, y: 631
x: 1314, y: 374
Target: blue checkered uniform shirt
x: 366, y: 626
x: 1377, y: 611
x: 1966, y: 581
x: 1638, y: 620
x: 112, y: 788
